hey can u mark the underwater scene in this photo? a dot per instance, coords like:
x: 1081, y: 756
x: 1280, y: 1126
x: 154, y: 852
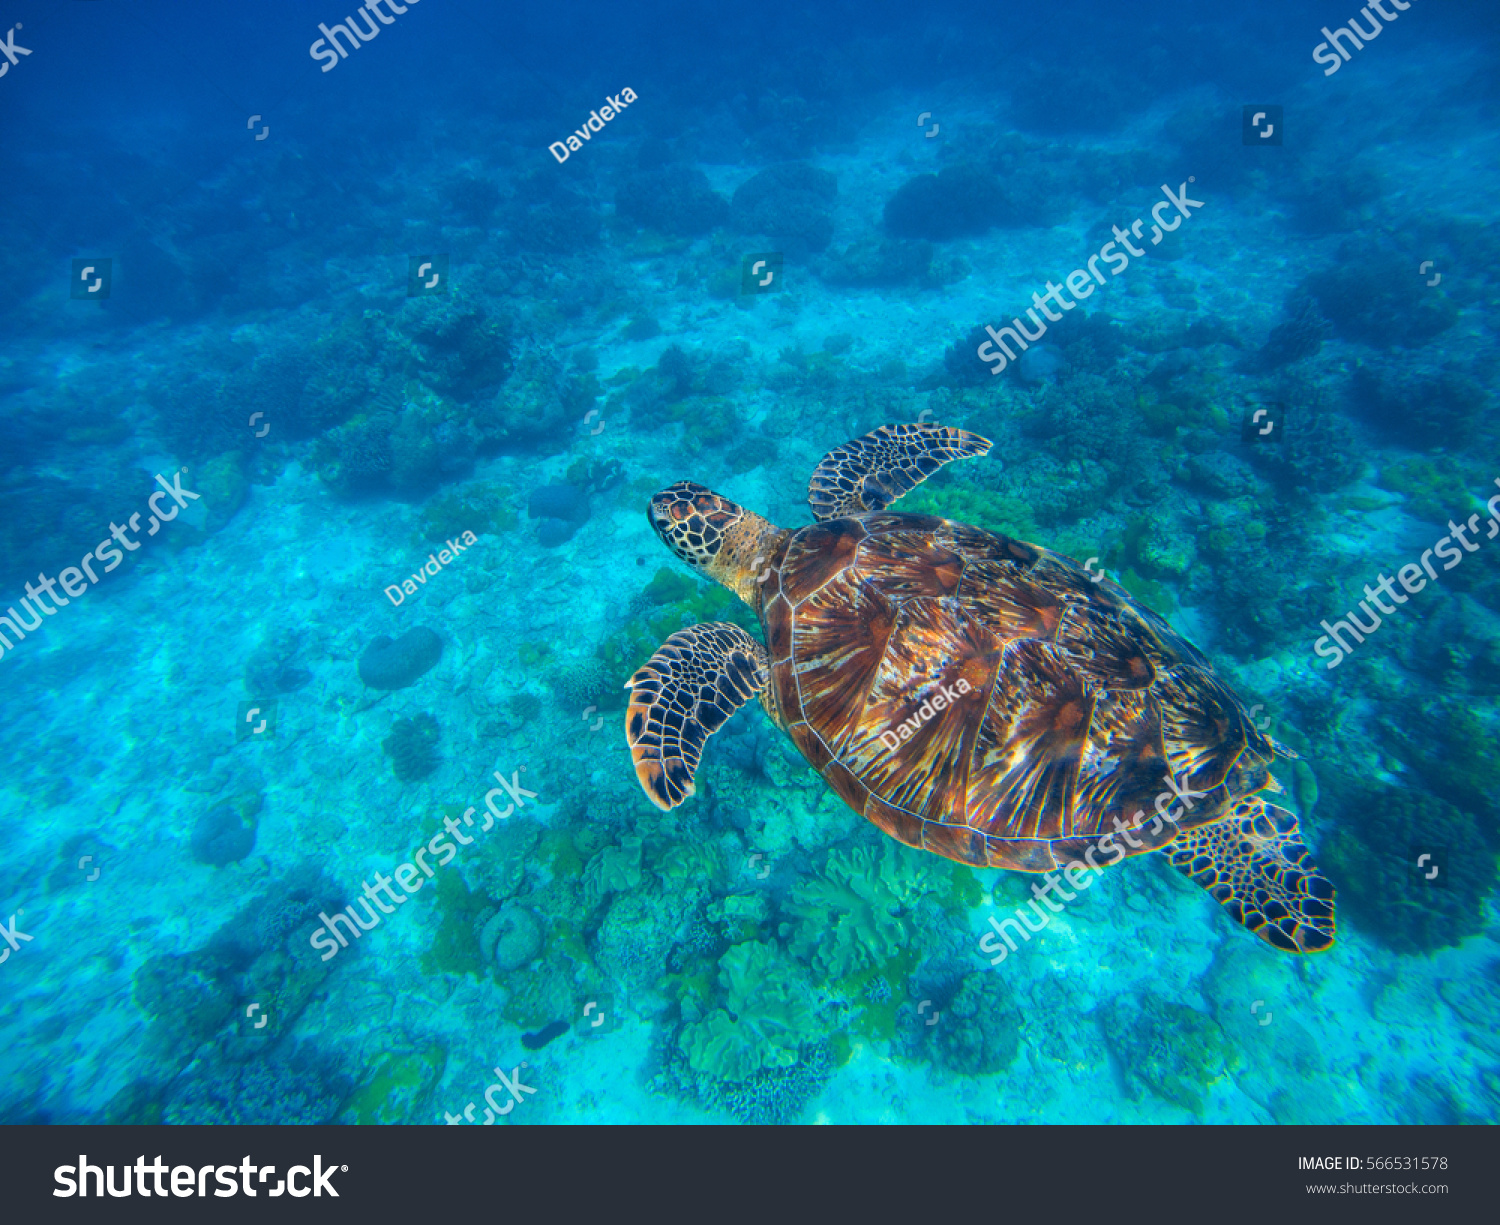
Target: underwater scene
x: 661, y: 563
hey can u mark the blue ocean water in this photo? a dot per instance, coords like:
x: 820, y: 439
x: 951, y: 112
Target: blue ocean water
x: 342, y: 357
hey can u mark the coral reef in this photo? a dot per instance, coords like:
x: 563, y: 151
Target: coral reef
x: 636, y: 937
x: 539, y: 403
x: 788, y: 203
x: 1418, y: 403
x: 658, y: 395
x: 226, y: 832
x: 1320, y: 453
x: 979, y: 1031
x: 593, y: 475
x: 185, y: 996
x: 388, y: 664
x: 1371, y: 295
x: 479, y: 508
x: 1174, y: 1050
x: 455, y: 945
x: 674, y: 200
x: 771, y: 1096
x: 412, y: 747
x: 511, y: 939
x: 1434, y: 488
x: 398, y: 1088
x: 875, y: 261
x: 862, y: 911
x: 961, y: 361
x: 667, y: 586
x: 614, y: 868
x: 588, y: 683
x: 462, y: 348
x: 547, y: 214
x: 1370, y: 857
x: 301, y: 1087
x: 562, y: 509
x: 273, y: 666
x: 1300, y: 336
x: 766, y: 1015
x: 957, y: 202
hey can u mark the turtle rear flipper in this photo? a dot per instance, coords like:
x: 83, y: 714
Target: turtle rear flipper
x: 874, y: 470
x: 1255, y: 864
x: 681, y: 696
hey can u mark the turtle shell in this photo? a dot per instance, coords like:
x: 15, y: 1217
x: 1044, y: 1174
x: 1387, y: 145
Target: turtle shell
x: 990, y: 700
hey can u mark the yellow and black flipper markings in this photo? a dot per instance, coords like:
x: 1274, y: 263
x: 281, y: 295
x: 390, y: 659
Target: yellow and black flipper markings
x: 681, y: 696
x: 1254, y: 863
x: 871, y: 472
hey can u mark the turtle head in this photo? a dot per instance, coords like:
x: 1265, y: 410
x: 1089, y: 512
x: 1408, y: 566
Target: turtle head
x: 715, y: 536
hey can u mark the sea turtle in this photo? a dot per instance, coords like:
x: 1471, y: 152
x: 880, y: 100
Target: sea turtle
x: 972, y: 695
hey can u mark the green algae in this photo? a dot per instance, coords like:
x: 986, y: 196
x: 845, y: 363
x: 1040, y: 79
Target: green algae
x: 1434, y: 488
x: 398, y: 1086
x: 668, y: 586
x: 854, y: 917
x: 480, y: 508
x: 559, y: 852
x: 767, y: 1014
x: 994, y: 512
x: 625, y: 650
x: 454, y: 948
x: 1171, y: 1049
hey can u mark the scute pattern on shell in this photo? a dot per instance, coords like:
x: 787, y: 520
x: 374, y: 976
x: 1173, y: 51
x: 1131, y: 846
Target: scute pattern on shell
x: 1079, y: 701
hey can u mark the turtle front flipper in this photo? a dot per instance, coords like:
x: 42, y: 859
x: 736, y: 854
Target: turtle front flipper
x: 1255, y: 864
x: 874, y: 470
x: 681, y: 696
